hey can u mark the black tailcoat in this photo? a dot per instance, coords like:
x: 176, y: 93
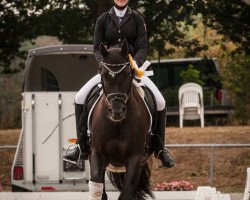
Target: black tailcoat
x: 111, y: 32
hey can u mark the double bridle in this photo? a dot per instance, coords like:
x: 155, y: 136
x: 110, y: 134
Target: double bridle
x: 117, y: 96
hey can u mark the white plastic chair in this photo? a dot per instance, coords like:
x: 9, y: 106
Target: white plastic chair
x: 191, y: 105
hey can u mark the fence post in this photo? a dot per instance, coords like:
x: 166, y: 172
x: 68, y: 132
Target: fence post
x: 247, y: 188
x: 212, y: 166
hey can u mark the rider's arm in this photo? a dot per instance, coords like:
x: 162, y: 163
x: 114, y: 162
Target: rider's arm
x: 141, y: 40
x: 99, y: 36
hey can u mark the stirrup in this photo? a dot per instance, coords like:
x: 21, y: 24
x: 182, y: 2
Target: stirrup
x: 169, y: 153
x: 80, y: 153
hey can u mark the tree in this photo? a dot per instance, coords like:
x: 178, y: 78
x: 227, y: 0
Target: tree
x: 166, y: 22
x: 12, y: 24
x: 230, y: 18
x: 237, y: 80
x: 72, y: 21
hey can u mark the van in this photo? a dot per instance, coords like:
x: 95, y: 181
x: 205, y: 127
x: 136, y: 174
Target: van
x: 52, y: 77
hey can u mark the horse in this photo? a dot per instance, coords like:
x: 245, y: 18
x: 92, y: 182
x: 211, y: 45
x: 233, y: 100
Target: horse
x: 120, y: 128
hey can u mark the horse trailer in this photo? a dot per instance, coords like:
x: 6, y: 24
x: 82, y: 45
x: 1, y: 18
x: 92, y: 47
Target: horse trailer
x: 52, y: 77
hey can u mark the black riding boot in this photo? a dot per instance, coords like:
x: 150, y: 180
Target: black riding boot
x: 81, y: 116
x: 160, y: 152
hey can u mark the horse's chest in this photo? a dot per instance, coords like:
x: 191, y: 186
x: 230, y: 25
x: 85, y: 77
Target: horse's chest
x: 118, y: 150
x: 119, y: 147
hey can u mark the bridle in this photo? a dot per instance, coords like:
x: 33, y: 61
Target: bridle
x: 111, y: 72
x: 117, y: 96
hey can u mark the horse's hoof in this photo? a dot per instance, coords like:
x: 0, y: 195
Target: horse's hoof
x: 104, y: 196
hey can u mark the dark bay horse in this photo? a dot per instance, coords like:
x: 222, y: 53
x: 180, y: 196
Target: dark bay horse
x: 120, y: 124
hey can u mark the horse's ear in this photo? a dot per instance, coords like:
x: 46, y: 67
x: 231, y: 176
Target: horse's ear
x: 124, y: 48
x: 103, y: 50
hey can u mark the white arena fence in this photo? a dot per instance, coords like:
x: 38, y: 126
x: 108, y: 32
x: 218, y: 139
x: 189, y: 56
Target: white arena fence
x: 212, y: 148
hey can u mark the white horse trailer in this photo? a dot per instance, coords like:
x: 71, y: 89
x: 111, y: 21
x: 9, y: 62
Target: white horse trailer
x: 52, y: 77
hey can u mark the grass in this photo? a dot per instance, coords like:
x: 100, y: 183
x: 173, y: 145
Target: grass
x: 192, y: 164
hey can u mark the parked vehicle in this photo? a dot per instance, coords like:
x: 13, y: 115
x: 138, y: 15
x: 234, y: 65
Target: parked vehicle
x: 167, y: 78
x: 52, y: 77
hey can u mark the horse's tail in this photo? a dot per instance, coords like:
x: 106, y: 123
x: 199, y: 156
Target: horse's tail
x: 143, y: 189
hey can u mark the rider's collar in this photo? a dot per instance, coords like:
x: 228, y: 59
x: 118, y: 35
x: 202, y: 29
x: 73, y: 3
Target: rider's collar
x: 120, y: 13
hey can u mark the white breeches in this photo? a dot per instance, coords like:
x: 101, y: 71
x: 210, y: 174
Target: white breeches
x: 84, y: 91
x: 95, y: 190
x: 160, y: 101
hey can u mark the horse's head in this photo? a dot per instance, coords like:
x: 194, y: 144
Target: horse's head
x: 117, y: 79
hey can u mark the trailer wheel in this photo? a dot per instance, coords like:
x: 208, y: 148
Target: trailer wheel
x: 15, y: 188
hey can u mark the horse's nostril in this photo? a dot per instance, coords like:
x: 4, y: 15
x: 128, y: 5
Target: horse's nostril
x: 110, y: 110
x: 123, y: 109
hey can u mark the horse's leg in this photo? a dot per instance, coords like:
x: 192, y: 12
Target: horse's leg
x: 104, y: 194
x: 97, y: 172
x: 131, y: 179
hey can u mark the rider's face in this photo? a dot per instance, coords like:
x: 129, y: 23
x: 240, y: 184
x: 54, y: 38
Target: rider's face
x: 121, y: 3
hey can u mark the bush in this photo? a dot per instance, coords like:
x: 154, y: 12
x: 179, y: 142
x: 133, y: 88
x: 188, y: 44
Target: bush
x: 191, y: 75
x: 171, y: 96
x: 237, y: 81
x: 10, y: 101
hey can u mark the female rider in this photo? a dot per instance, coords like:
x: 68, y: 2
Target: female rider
x: 119, y: 23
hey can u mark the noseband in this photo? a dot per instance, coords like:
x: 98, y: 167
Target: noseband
x: 121, y: 97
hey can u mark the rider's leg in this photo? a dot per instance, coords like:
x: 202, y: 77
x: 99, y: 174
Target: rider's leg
x: 81, y: 117
x: 160, y: 152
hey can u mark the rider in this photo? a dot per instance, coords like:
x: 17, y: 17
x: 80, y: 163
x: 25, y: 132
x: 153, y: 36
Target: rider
x: 111, y: 28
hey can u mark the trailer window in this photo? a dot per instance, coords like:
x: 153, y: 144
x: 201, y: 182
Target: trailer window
x: 48, y: 81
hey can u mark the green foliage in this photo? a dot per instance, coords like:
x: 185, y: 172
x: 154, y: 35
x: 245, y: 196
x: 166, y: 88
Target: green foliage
x: 13, y: 15
x: 10, y: 100
x: 191, y: 75
x: 171, y: 96
x: 209, y: 97
x: 230, y: 18
x: 72, y: 21
x: 237, y: 80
